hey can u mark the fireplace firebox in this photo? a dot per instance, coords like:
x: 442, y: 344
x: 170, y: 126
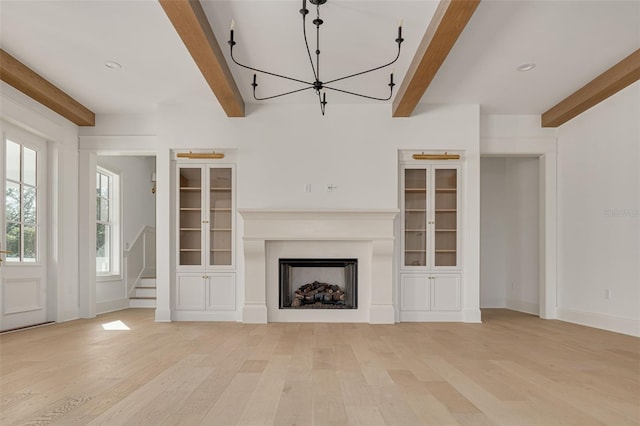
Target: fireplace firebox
x: 318, y: 283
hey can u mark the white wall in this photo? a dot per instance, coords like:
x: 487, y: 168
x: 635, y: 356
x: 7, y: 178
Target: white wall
x: 599, y: 219
x: 510, y: 233
x: 137, y: 209
x: 522, y: 214
x: 279, y: 148
x: 138, y: 202
x: 493, y: 233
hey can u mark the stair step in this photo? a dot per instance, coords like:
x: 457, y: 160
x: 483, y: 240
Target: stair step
x: 144, y: 302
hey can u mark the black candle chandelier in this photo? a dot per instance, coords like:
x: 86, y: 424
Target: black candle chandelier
x: 318, y: 85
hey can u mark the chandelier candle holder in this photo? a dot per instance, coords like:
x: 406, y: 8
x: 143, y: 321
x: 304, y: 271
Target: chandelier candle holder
x: 319, y: 86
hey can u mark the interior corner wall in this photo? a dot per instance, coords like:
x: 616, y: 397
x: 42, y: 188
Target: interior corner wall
x: 522, y: 222
x: 509, y: 229
x: 599, y: 215
x: 138, y: 202
x: 493, y: 233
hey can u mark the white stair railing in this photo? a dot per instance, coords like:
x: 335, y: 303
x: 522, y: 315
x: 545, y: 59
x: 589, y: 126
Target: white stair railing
x: 140, y: 258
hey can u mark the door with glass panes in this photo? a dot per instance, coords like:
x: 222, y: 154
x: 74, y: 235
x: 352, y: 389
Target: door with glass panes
x: 23, y: 243
x: 430, y: 222
x: 205, y: 217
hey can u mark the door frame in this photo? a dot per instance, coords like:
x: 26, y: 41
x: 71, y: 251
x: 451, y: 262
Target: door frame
x: 545, y: 150
x: 90, y: 148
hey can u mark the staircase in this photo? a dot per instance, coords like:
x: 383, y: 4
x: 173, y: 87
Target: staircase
x: 144, y: 293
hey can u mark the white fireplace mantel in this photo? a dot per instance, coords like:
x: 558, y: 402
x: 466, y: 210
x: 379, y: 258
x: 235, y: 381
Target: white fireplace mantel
x: 367, y: 232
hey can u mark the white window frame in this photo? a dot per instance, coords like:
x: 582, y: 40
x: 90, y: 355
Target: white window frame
x: 114, y: 222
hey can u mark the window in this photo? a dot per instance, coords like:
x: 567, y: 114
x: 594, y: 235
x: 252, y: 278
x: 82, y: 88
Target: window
x: 21, y: 200
x: 107, y: 223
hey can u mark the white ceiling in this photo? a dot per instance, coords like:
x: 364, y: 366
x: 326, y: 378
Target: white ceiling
x: 571, y: 42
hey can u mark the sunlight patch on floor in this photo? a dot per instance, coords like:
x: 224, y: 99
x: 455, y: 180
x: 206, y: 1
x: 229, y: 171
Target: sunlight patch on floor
x: 115, y: 325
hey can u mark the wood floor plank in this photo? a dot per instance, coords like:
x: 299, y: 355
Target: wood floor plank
x: 513, y: 369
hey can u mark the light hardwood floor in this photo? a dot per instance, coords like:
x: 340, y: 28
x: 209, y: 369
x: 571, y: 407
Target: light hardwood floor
x: 513, y: 369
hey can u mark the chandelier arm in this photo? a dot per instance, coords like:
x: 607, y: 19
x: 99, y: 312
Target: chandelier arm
x: 323, y: 101
x: 267, y: 72
x: 318, y: 41
x: 281, y: 94
x: 362, y: 96
x: 306, y: 43
x: 366, y: 71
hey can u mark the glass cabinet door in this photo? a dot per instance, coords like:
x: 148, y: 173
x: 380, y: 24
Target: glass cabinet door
x: 415, y: 217
x: 220, y: 216
x: 445, y: 217
x: 190, y: 215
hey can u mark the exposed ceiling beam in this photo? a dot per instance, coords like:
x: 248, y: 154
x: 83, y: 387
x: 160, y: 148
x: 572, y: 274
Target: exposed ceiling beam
x: 190, y: 21
x: 24, y: 79
x: 600, y: 88
x: 447, y: 24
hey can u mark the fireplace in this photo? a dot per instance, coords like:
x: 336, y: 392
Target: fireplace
x: 365, y: 235
x: 318, y: 283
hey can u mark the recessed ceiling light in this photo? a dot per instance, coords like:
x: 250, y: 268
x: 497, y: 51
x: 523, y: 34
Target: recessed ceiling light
x: 526, y: 67
x: 113, y: 65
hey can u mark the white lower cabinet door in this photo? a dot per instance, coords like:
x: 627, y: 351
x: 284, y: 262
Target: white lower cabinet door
x: 221, y: 292
x: 445, y: 292
x: 190, y: 292
x: 415, y: 294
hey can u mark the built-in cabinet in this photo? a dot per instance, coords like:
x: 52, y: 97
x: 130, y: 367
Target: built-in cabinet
x: 205, y: 239
x: 430, y: 254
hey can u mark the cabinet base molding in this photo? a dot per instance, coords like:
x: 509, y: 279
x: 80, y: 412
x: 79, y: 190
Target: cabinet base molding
x: 163, y: 315
x: 382, y: 314
x: 472, y: 316
x: 228, y: 316
x: 254, y: 313
x: 429, y: 316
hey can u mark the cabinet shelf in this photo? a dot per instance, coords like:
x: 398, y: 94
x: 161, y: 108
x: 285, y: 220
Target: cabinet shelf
x: 190, y: 250
x: 190, y: 188
x: 220, y: 189
x: 446, y: 251
x: 446, y: 210
x: 446, y: 189
x: 415, y: 230
x: 415, y: 210
x: 221, y: 209
x: 446, y: 230
x: 415, y: 251
x: 415, y: 190
x: 191, y: 229
x: 221, y: 229
x: 190, y: 209
x: 221, y: 250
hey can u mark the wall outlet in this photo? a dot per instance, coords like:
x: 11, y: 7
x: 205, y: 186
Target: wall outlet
x: 331, y: 187
x: 607, y: 294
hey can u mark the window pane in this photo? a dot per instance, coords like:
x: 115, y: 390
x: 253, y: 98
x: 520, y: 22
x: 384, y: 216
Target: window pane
x: 98, y: 174
x: 103, y: 251
x: 98, y: 199
x: 12, y: 197
x: 104, y: 210
x: 13, y: 241
x: 29, y: 204
x: 29, y: 167
x: 30, y: 243
x: 13, y: 161
x: 104, y: 186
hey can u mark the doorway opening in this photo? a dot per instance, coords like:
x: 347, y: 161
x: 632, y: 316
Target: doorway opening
x: 511, y: 233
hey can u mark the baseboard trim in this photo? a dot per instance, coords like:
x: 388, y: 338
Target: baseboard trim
x: 111, y: 306
x: 602, y: 321
x: 523, y: 306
